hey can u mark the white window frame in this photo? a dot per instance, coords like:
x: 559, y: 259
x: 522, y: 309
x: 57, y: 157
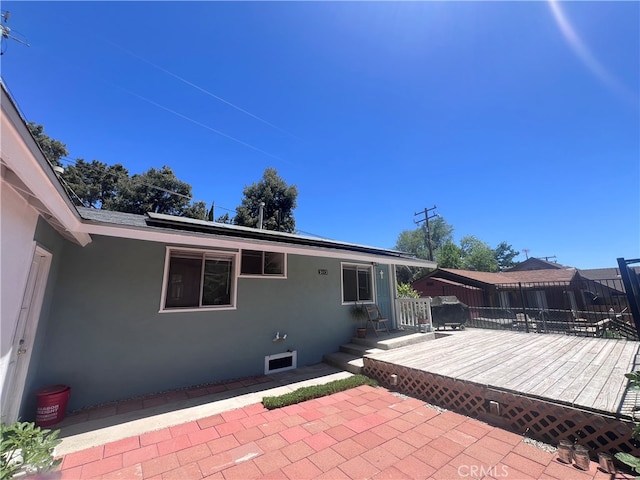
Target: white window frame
x: 371, y: 276
x: 221, y: 254
x: 264, y: 275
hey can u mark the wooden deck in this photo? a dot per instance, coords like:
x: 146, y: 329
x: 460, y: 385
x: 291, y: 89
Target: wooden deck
x: 586, y: 373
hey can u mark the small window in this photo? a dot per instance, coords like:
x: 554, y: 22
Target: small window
x: 198, y: 279
x: 256, y: 262
x: 357, y: 284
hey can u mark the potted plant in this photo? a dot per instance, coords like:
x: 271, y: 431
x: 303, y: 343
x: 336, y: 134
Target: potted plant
x: 359, y: 314
x: 27, y: 450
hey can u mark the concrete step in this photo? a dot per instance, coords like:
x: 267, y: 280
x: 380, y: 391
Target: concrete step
x: 358, y: 350
x: 345, y: 361
x: 396, y: 339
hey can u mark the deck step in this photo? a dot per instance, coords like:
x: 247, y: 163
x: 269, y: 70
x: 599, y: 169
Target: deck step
x: 388, y: 342
x: 345, y: 361
x: 359, y: 350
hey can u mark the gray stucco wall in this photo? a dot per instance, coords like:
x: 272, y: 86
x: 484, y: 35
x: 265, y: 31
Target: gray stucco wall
x: 106, y: 339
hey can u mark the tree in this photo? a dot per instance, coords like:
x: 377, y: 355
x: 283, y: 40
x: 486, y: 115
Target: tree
x: 196, y: 210
x: 53, y: 149
x: 156, y: 190
x: 504, y: 254
x: 224, y: 219
x: 477, y: 255
x: 279, y: 202
x: 95, y: 183
x: 449, y: 256
x: 440, y: 232
x: 415, y: 241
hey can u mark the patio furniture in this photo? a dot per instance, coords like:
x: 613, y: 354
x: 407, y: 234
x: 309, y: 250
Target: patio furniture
x: 376, y: 320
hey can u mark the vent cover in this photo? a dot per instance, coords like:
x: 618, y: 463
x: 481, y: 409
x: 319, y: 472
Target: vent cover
x: 280, y: 362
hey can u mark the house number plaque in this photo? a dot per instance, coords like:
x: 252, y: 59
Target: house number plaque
x: 323, y: 271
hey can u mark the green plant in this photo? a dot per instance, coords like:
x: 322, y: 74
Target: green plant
x: 405, y: 290
x: 316, y: 391
x: 359, y: 314
x: 627, y: 458
x: 25, y: 447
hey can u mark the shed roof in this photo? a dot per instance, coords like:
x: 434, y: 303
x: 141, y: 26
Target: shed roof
x: 563, y: 276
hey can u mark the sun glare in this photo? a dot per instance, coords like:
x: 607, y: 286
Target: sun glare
x: 583, y: 52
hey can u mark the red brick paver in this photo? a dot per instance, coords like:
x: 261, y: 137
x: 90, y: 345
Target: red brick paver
x: 361, y: 433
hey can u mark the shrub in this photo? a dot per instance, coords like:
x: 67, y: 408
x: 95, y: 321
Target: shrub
x: 626, y: 458
x: 317, y: 391
x: 25, y: 447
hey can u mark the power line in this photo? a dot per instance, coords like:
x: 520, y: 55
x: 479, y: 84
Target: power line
x: 248, y: 145
x: 187, y: 82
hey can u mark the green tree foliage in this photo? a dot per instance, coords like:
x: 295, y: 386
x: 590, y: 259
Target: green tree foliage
x: 196, y: 210
x: 504, y: 254
x: 477, y: 255
x: 440, y: 232
x: 225, y: 218
x: 415, y: 241
x: 405, y: 290
x: 53, y: 150
x: 449, y: 256
x: 95, y: 183
x: 156, y: 190
x: 279, y: 199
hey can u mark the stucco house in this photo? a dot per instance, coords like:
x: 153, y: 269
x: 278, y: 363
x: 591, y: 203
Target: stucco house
x: 117, y: 305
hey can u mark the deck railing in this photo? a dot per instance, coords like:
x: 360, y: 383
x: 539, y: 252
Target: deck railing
x: 569, y: 322
x: 414, y: 313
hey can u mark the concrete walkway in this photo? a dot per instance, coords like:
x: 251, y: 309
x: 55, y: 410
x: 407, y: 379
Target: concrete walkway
x: 360, y: 433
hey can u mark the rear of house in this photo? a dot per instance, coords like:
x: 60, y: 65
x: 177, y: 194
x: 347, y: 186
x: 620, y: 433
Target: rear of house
x: 135, y: 304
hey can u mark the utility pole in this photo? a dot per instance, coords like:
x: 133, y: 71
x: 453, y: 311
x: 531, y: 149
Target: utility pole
x: 427, y: 232
x: 5, y: 33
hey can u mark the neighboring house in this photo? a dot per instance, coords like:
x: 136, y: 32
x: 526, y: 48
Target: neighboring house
x: 553, y: 287
x: 543, y: 289
x: 533, y: 263
x: 434, y: 287
x: 117, y: 305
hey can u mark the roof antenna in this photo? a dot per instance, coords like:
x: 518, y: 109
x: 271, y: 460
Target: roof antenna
x: 5, y: 33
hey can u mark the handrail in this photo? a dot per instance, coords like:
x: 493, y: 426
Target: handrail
x: 413, y: 312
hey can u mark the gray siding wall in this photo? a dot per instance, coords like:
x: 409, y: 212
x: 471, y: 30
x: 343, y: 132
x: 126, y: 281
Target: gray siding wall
x: 106, y: 339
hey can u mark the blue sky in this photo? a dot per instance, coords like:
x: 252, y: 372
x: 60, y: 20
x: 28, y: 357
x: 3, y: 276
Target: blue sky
x: 520, y: 123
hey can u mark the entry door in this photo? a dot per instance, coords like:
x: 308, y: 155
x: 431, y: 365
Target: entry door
x: 24, y: 335
x: 383, y: 289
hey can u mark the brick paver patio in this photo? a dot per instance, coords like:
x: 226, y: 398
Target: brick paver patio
x: 362, y: 433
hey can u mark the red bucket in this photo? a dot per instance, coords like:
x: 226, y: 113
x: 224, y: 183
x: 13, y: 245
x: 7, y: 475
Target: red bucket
x: 52, y: 404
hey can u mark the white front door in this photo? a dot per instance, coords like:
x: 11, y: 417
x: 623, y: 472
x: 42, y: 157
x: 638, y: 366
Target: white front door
x: 24, y: 335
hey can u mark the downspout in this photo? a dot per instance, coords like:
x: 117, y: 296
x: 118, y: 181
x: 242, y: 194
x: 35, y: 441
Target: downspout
x: 260, y: 215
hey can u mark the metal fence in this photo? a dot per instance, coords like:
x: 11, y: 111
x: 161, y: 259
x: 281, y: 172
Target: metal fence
x: 585, y: 307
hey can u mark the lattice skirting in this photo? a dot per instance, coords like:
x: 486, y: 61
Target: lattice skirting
x: 538, y: 419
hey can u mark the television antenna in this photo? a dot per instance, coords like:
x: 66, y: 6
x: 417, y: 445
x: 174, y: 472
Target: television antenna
x: 6, y: 33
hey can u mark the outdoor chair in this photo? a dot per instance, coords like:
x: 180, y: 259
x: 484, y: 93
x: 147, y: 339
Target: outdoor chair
x: 376, y: 320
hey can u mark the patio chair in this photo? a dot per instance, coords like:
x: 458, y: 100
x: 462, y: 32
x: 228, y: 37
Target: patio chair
x: 376, y: 320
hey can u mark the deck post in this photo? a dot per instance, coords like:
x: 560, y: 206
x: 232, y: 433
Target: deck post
x: 632, y: 288
x: 524, y: 308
